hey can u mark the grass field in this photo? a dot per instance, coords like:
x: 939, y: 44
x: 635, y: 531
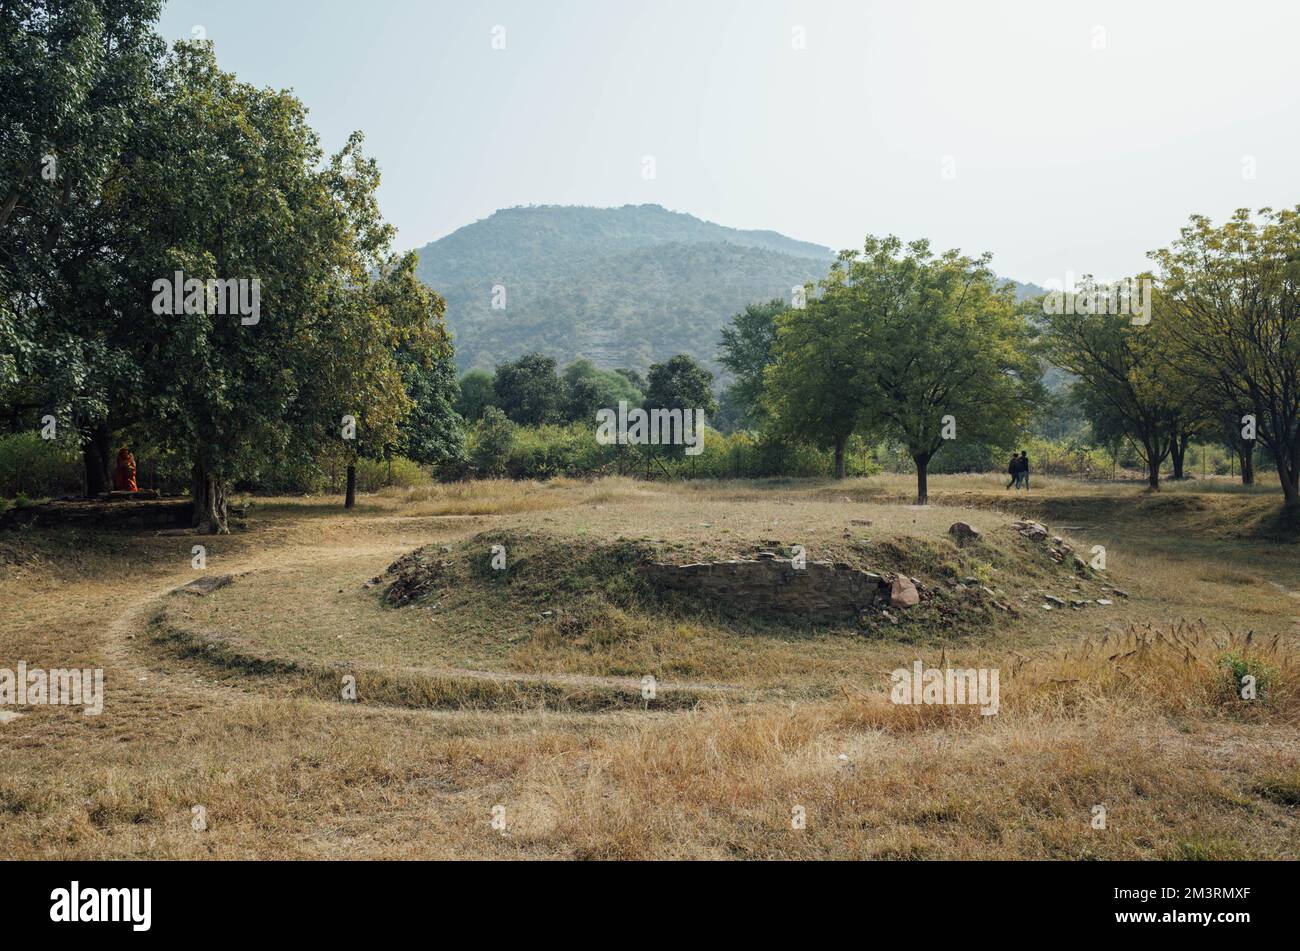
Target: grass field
x: 520, y: 688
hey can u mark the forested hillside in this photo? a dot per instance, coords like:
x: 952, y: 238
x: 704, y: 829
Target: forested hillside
x: 622, y: 286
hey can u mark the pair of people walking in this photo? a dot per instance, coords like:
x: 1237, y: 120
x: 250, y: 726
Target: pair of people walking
x: 1019, y: 471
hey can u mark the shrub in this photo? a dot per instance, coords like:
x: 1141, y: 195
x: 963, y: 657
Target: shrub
x: 491, y: 443
x: 375, y: 474
x: 39, y: 468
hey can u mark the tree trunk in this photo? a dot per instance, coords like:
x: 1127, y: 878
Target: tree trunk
x: 1153, y: 471
x: 1246, y: 455
x: 95, y: 453
x: 350, y: 497
x: 1289, y: 475
x: 839, y: 458
x: 209, y: 496
x: 1178, y: 449
x: 922, y: 490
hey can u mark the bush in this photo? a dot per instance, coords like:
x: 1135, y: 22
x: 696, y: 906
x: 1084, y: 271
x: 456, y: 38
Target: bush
x: 1053, y: 458
x: 500, y: 448
x: 491, y: 442
x: 39, y: 468
x: 968, y: 457
x: 375, y: 474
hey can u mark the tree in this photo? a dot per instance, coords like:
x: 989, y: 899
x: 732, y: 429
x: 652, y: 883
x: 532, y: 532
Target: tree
x: 951, y: 357
x: 383, y: 327
x: 476, y: 395
x: 1243, y: 448
x: 747, y: 351
x: 908, y: 346
x: 527, y: 390
x: 581, y: 400
x: 588, y: 389
x: 74, y: 74
x: 633, y: 377
x: 813, y: 390
x: 1123, y: 373
x: 680, y: 383
x: 433, y: 433
x: 494, y: 438
x: 1233, y: 293
x: 228, y: 183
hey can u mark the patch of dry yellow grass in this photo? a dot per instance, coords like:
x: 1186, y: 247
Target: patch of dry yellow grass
x: 1094, y: 712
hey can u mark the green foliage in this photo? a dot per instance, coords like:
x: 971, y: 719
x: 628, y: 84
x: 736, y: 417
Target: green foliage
x: 746, y: 352
x: 491, y: 443
x: 548, y: 451
x: 680, y: 383
x: 399, y: 472
x: 1233, y: 295
x: 433, y: 433
x: 623, y: 286
x: 167, y: 164
x: 742, y: 455
x: 528, y: 391
x: 1050, y: 457
x: 74, y: 77
x: 543, y: 452
x: 588, y: 388
x: 1125, y: 385
x: 945, y: 340
x: 476, y: 395
x: 908, y: 346
x: 633, y: 377
x: 809, y: 394
x: 38, y: 468
x: 1238, y: 666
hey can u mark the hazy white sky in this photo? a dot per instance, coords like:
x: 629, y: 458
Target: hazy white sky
x: 1075, y: 135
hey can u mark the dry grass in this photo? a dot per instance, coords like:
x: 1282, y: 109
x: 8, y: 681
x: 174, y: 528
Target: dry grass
x: 1124, y: 708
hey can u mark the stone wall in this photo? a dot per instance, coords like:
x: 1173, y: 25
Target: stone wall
x: 147, y: 513
x: 819, y: 592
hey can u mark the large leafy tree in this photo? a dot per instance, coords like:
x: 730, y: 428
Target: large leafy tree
x: 72, y: 74
x: 528, y: 390
x: 951, y: 358
x: 747, y: 351
x: 680, y: 383
x: 587, y: 388
x: 382, y: 335
x: 1233, y: 294
x: 228, y: 182
x: 1125, y: 380
x: 475, y: 395
x: 75, y: 75
x: 812, y: 390
x: 907, y: 345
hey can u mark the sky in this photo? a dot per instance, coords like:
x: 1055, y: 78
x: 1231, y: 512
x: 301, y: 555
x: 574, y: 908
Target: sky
x: 1064, y: 137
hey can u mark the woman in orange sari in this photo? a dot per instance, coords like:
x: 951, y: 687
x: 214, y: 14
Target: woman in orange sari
x: 124, y: 475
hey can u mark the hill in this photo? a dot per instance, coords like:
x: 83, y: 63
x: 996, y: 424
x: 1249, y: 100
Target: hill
x: 624, y: 287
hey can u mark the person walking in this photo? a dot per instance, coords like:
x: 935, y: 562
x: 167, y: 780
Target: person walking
x: 1024, y: 471
x: 1013, y: 470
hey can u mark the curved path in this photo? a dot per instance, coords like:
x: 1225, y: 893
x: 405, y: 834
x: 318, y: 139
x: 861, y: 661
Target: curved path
x: 184, y: 677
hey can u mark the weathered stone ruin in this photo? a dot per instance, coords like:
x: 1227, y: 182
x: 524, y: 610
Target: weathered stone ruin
x: 819, y: 592
x: 113, y: 510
